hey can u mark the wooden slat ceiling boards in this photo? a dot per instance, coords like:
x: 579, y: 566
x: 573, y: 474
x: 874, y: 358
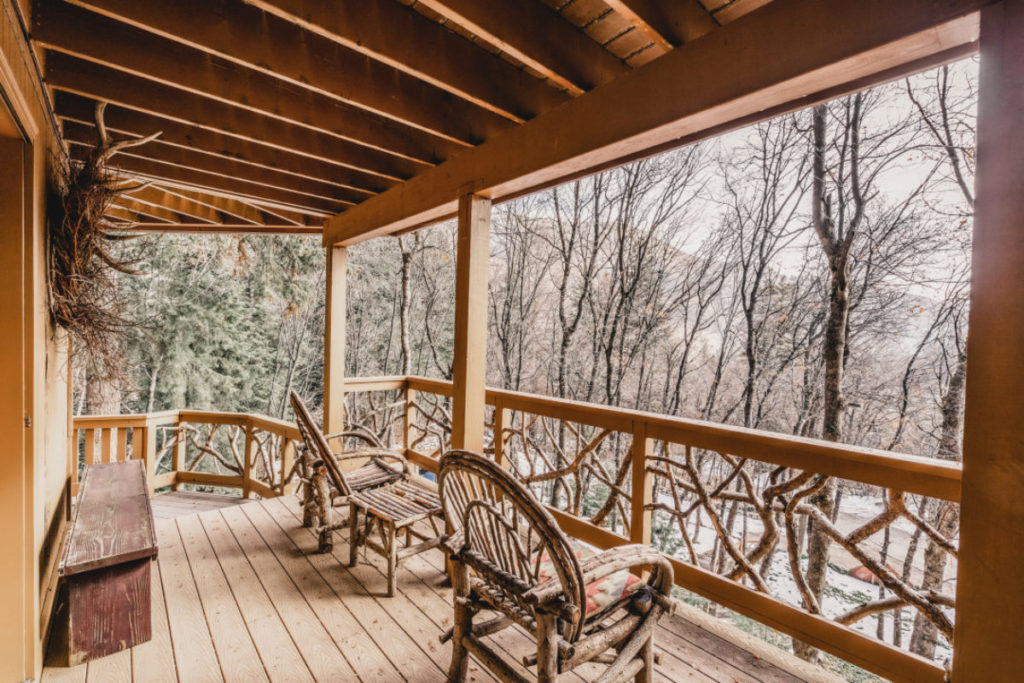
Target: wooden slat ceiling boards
x: 286, y: 114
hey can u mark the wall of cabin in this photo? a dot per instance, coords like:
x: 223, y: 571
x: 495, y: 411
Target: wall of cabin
x: 34, y: 405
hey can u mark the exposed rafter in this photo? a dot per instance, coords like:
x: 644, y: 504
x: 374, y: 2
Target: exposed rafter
x: 71, y: 107
x: 409, y: 42
x: 666, y: 23
x: 110, y: 85
x: 141, y: 167
x: 83, y: 134
x: 532, y: 34
x: 191, y: 43
x: 178, y: 68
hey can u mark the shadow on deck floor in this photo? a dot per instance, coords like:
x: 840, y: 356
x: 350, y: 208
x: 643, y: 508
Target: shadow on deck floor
x: 238, y: 595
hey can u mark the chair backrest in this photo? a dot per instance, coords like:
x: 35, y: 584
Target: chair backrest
x: 317, y: 445
x: 501, y: 522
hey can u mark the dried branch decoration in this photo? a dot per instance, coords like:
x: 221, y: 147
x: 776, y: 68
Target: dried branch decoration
x: 83, y: 295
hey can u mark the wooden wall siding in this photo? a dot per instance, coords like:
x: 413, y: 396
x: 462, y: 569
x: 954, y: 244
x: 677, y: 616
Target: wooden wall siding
x: 553, y: 444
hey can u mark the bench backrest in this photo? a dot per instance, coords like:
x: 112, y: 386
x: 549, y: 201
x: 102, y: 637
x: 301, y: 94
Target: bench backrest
x: 113, y: 521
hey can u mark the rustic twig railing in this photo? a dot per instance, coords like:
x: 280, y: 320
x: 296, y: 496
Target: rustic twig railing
x: 726, y: 501
x: 252, y: 453
x: 732, y: 499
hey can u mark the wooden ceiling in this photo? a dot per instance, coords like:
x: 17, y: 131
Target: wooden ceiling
x: 278, y: 114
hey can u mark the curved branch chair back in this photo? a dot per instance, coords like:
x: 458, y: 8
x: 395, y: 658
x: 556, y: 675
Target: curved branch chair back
x: 508, y: 554
x: 510, y: 538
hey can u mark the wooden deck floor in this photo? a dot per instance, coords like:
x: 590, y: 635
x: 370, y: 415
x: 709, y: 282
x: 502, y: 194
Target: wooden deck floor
x: 239, y: 596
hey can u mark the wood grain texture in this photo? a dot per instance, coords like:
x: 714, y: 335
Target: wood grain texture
x: 114, y: 522
x: 109, y: 610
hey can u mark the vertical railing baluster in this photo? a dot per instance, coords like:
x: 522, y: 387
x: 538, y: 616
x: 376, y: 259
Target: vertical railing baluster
x: 105, y: 452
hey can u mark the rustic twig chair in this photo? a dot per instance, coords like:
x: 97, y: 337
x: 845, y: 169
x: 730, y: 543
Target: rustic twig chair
x: 509, y: 555
x: 326, y: 484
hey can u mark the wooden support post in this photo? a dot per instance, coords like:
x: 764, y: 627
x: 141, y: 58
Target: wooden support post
x: 990, y: 599
x: 640, y: 515
x: 334, y: 340
x: 470, y: 361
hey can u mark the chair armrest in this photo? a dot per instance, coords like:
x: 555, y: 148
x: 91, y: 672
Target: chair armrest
x: 379, y: 454
x: 631, y: 557
x: 607, y: 563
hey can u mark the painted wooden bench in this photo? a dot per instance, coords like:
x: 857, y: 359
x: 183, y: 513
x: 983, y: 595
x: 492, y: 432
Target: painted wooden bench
x: 105, y: 567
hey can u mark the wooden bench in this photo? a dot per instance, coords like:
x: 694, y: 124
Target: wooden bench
x: 105, y: 567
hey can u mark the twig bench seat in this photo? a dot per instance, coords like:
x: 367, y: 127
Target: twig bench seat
x: 105, y: 568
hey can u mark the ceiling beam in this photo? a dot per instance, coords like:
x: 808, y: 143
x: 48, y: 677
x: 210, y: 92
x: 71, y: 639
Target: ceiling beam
x: 186, y: 207
x: 235, y: 210
x: 140, y: 167
x: 72, y: 107
x: 223, y: 228
x: 145, y: 209
x: 157, y: 200
x: 98, y: 82
x: 535, y: 35
x: 406, y: 40
x: 118, y: 46
x: 183, y: 157
x: 165, y: 39
x: 666, y: 23
x: 759, y: 62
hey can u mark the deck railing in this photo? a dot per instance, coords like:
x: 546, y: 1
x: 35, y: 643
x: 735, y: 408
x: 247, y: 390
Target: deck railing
x: 725, y: 504
x: 251, y: 453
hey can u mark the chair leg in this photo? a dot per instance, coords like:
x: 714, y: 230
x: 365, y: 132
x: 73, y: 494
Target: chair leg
x: 353, y: 535
x: 547, y: 648
x: 392, y: 548
x: 646, y: 675
x: 322, y: 501
x: 462, y: 624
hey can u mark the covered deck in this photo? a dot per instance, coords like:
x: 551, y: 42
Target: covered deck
x: 240, y: 594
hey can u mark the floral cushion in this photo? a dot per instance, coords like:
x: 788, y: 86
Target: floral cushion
x: 604, y: 592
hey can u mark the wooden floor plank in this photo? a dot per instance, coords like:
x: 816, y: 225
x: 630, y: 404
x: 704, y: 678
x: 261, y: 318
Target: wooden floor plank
x: 193, y: 647
x: 115, y: 668
x: 65, y: 674
x: 279, y: 652
x: 239, y: 591
x: 354, y: 619
x: 239, y: 659
x: 153, y: 661
x: 319, y: 650
x: 410, y: 612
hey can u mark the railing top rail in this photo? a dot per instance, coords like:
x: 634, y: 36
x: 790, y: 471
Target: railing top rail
x: 911, y: 473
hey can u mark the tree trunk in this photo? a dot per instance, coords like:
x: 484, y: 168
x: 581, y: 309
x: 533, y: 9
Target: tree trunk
x: 947, y: 518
